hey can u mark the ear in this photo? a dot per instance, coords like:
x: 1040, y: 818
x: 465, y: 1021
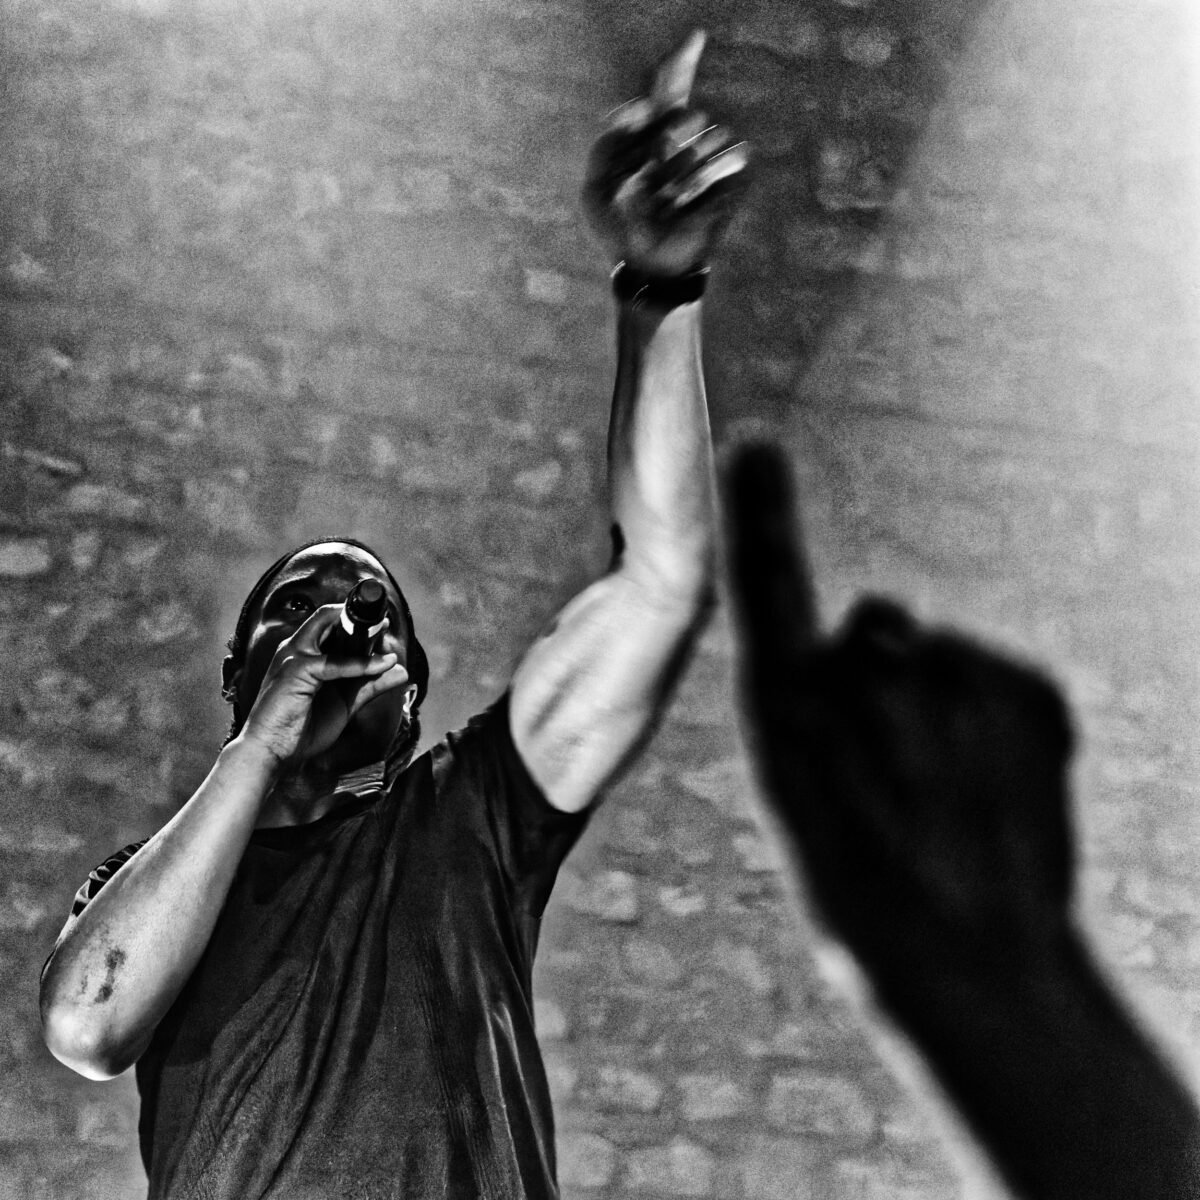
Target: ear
x: 231, y: 672
x: 410, y: 694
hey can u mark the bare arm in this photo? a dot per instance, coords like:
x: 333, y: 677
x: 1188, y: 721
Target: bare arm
x: 588, y: 691
x: 126, y: 957
x: 121, y: 964
x: 920, y: 786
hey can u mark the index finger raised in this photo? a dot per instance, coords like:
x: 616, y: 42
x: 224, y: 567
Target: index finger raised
x: 674, y: 76
x: 771, y: 580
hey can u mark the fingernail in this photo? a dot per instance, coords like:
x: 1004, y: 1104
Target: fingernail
x: 696, y: 136
x: 630, y: 115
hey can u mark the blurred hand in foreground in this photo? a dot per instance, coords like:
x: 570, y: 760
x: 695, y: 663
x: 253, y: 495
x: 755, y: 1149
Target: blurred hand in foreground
x: 920, y: 782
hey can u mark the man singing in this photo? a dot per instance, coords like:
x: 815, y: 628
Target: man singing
x: 322, y: 964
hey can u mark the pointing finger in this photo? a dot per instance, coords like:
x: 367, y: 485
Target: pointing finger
x: 771, y: 583
x: 674, y: 76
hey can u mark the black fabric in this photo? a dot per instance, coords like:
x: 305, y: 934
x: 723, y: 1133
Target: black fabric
x: 361, y: 1023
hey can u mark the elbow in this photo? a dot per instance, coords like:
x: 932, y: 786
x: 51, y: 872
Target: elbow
x: 684, y: 581
x: 678, y: 602
x: 701, y: 600
x: 693, y: 576
x: 672, y: 561
x: 81, y: 1042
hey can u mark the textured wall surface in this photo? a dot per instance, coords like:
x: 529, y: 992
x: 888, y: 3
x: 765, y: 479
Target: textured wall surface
x: 270, y: 270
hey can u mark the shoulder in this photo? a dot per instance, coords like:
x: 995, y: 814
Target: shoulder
x: 474, y: 757
x: 483, y: 784
x: 482, y: 759
x: 487, y: 735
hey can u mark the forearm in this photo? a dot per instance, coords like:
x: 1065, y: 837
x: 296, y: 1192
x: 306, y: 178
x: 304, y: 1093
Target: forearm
x: 660, y: 451
x: 660, y: 188
x: 586, y: 695
x: 125, y: 959
x: 1056, y: 1080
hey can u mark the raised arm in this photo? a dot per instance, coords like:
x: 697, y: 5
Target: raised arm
x: 919, y: 784
x: 660, y: 192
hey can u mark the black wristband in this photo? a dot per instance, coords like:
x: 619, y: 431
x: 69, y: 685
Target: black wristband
x: 630, y: 286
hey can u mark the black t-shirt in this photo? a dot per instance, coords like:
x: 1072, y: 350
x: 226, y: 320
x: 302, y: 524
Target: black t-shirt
x: 361, y: 1023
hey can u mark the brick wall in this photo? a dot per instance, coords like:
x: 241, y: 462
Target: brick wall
x: 272, y: 270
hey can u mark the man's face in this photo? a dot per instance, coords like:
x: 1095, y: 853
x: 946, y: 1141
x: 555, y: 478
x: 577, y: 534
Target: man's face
x: 323, y: 574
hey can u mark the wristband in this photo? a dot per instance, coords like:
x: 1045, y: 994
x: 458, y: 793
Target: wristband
x: 630, y: 286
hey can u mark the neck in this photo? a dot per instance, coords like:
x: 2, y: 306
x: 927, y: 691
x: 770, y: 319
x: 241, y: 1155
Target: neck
x: 315, y: 789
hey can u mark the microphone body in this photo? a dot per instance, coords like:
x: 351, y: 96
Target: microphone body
x: 360, y: 624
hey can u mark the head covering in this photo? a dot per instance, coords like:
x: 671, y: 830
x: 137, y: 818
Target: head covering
x: 417, y: 664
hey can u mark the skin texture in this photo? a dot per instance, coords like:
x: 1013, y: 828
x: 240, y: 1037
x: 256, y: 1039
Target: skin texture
x: 317, y: 730
x: 920, y: 784
x: 584, y: 697
x: 588, y: 693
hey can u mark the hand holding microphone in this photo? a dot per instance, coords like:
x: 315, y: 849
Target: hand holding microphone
x: 295, y: 715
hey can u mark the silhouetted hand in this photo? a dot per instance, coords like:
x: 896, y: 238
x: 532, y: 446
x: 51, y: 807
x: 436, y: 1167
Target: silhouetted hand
x: 920, y: 781
x: 662, y: 182
x: 921, y: 777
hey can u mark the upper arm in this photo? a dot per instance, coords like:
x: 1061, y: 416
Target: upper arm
x: 588, y: 691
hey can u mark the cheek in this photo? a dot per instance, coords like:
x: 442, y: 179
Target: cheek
x: 258, y: 659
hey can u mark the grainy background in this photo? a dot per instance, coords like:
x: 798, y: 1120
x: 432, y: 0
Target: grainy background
x: 275, y: 269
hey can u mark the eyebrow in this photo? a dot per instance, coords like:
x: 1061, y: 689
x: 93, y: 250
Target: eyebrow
x: 276, y: 587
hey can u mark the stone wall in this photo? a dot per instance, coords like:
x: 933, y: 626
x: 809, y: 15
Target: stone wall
x: 270, y: 270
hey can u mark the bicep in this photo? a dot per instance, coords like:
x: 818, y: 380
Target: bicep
x: 589, y: 690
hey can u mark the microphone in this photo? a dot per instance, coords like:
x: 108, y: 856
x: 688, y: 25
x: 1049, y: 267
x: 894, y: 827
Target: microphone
x: 360, y: 624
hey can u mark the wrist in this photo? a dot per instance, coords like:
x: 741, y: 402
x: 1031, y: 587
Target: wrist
x: 637, y: 287
x: 253, y: 759
x: 1053, y: 1075
x: 926, y: 970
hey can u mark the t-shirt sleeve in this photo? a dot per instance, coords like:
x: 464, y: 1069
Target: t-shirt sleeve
x: 531, y: 836
x: 91, y: 886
